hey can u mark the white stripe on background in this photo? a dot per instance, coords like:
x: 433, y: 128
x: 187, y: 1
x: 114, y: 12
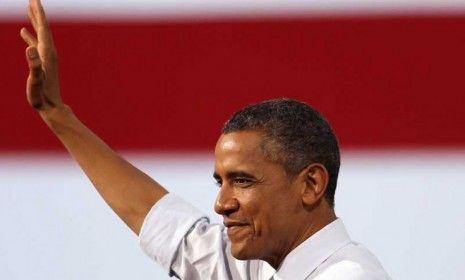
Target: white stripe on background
x: 175, y: 9
x: 407, y: 207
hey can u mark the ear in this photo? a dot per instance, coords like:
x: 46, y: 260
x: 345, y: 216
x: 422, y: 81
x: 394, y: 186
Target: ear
x: 315, y: 178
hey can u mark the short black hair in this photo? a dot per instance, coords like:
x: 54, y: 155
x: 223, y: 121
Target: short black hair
x: 296, y: 135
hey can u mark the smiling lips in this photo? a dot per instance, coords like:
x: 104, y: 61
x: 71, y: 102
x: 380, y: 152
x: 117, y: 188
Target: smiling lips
x: 234, y: 226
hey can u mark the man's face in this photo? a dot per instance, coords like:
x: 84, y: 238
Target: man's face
x: 260, y: 204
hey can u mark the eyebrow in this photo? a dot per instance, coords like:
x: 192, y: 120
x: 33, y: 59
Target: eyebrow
x: 234, y: 174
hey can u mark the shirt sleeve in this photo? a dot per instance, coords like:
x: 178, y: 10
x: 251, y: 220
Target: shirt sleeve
x: 165, y: 226
x: 181, y: 239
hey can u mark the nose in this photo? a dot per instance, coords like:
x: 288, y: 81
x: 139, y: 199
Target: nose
x: 226, y: 203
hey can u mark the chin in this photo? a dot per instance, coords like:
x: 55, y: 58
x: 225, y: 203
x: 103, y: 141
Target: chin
x: 243, y: 251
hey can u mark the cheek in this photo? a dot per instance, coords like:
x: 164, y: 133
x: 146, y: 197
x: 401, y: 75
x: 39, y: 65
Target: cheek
x: 252, y: 206
x: 264, y: 216
x: 268, y: 208
x: 276, y: 216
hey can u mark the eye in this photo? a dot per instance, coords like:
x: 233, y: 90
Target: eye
x: 242, y: 182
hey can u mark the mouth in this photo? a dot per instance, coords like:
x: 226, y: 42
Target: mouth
x: 233, y: 230
x: 235, y: 227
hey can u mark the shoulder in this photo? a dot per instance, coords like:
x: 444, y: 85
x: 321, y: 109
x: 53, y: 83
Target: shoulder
x: 351, y: 262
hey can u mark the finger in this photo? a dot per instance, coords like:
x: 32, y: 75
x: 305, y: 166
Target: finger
x: 28, y: 37
x: 43, y: 29
x: 34, y: 62
x: 32, y: 17
x: 33, y: 95
x: 35, y: 79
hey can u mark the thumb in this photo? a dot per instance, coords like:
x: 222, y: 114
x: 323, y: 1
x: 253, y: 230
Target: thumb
x: 35, y: 79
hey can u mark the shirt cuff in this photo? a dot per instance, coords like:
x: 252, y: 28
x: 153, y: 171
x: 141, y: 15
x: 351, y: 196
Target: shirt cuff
x: 164, y: 227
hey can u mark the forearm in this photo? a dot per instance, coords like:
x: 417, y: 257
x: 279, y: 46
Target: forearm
x: 126, y: 189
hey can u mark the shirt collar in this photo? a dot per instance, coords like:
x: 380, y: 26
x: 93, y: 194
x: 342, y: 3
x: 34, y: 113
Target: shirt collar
x: 306, y: 257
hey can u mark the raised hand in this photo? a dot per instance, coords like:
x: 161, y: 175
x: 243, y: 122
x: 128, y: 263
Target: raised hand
x: 43, y: 91
x: 128, y: 191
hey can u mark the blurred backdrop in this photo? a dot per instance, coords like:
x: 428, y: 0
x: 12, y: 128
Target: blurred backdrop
x: 157, y: 79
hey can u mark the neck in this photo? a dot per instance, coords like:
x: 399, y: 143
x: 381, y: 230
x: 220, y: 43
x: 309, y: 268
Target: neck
x: 312, y: 224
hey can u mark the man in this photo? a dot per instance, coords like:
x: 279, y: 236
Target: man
x: 276, y: 165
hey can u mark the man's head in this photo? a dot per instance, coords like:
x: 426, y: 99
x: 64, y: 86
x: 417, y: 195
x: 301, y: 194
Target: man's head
x: 277, y: 164
x: 295, y: 135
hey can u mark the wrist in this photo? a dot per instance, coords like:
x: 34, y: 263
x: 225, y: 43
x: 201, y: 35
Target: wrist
x: 58, y: 118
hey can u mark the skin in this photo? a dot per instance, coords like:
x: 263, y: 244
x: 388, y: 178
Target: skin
x: 267, y: 212
x: 127, y: 190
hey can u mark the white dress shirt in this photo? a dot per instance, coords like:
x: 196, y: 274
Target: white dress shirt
x: 180, y: 238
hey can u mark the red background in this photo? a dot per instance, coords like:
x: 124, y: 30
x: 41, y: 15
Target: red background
x: 150, y: 85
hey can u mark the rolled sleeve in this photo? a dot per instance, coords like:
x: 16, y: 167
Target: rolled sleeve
x: 164, y: 227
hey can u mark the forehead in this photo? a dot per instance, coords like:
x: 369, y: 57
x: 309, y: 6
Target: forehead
x: 243, y: 152
x: 239, y: 149
x: 240, y: 143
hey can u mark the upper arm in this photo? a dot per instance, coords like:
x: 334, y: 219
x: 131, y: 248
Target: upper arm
x: 180, y: 238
